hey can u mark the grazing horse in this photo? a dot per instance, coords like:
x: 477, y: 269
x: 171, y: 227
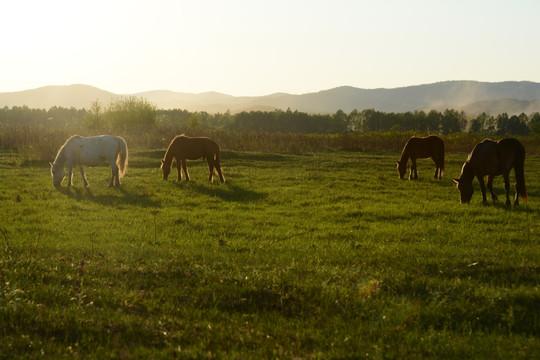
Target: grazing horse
x: 192, y: 148
x: 90, y: 151
x: 421, y: 148
x: 493, y: 158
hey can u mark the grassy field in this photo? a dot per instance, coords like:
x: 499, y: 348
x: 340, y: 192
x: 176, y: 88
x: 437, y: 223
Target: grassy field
x: 297, y: 256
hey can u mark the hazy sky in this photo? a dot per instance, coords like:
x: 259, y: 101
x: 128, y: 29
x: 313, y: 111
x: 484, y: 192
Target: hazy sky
x: 256, y: 47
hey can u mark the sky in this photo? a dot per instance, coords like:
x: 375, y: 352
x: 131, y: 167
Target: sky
x: 253, y: 47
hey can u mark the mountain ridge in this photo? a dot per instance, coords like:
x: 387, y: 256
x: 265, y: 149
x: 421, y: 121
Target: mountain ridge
x: 473, y: 97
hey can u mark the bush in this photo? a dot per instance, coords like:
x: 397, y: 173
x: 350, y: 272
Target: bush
x: 127, y: 114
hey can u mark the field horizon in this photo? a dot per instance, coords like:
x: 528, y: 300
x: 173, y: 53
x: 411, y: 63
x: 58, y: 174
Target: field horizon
x: 322, y: 255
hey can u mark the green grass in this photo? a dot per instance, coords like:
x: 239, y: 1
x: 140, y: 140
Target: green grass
x: 296, y: 256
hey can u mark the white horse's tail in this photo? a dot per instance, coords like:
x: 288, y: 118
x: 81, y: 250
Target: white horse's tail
x: 122, y: 160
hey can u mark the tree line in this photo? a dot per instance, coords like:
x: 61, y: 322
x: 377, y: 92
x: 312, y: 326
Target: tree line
x: 136, y: 114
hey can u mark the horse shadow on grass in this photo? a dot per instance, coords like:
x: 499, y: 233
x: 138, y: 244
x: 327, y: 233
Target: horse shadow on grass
x: 228, y: 192
x: 116, y: 197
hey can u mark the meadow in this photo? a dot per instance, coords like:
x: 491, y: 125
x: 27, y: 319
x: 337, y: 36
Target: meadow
x: 322, y: 255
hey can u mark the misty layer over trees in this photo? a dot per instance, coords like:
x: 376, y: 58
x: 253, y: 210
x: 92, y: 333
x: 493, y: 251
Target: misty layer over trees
x: 133, y: 114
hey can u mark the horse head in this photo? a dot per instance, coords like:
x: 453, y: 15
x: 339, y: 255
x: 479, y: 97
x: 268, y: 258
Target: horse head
x: 166, y: 170
x: 402, y: 168
x: 58, y: 174
x: 466, y: 190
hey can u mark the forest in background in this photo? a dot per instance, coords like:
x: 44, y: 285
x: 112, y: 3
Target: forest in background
x: 37, y: 133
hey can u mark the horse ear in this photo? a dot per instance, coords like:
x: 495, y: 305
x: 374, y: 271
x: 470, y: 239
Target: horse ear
x: 397, y: 162
x: 456, y: 181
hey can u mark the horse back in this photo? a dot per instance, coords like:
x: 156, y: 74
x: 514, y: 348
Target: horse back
x: 93, y: 150
x: 511, y: 153
x: 193, y: 148
x: 485, y: 158
x: 425, y: 147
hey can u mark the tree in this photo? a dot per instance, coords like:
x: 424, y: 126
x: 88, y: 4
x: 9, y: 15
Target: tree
x: 433, y: 121
x: 479, y: 124
x: 517, y: 125
x: 131, y: 113
x: 354, y: 121
x: 534, y: 123
x: 371, y: 120
x: 502, y: 124
x: 452, y: 122
x: 194, y: 122
x: 93, y: 119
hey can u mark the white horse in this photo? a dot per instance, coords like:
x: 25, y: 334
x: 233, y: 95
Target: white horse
x: 90, y: 151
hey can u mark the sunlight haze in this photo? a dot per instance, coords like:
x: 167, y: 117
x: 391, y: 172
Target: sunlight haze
x: 251, y: 48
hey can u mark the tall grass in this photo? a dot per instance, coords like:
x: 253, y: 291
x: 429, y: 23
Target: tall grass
x: 41, y: 144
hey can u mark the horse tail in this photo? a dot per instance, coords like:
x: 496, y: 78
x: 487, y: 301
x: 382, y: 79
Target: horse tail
x: 122, y: 160
x: 519, y: 168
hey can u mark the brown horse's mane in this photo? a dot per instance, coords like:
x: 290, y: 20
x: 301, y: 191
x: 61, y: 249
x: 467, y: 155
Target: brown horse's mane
x: 405, y: 153
x: 167, y: 159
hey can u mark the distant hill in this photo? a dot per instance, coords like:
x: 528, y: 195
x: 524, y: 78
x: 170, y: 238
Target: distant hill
x: 78, y: 96
x: 470, y: 96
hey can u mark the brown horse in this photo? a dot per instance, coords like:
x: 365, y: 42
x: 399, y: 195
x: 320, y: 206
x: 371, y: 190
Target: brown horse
x: 493, y: 158
x: 421, y: 148
x: 192, y: 148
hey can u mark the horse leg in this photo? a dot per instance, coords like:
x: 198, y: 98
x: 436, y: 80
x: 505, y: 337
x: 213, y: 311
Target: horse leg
x: 436, y: 168
x: 70, y: 173
x: 414, y: 170
x: 179, y: 169
x: 490, y: 188
x: 210, y: 162
x: 220, y: 173
x: 184, y: 166
x: 85, y: 182
x: 115, y: 179
x: 507, y: 189
x: 482, y: 187
x: 516, y: 197
x: 117, y: 176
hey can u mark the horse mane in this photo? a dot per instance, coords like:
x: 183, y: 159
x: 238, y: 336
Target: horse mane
x: 167, y: 158
x: 60, y: 158
x: 405, y: 152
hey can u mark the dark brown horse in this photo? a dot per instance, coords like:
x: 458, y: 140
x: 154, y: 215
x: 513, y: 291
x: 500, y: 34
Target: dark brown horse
x: 192, y: 148
x: 493, y: 158
x: 422, y: 148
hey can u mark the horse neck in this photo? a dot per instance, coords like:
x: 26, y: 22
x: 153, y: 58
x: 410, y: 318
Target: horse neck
x: 467, y: 173
x: 60, y: 159
x: 168, y: 157
x: 404, y: 156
